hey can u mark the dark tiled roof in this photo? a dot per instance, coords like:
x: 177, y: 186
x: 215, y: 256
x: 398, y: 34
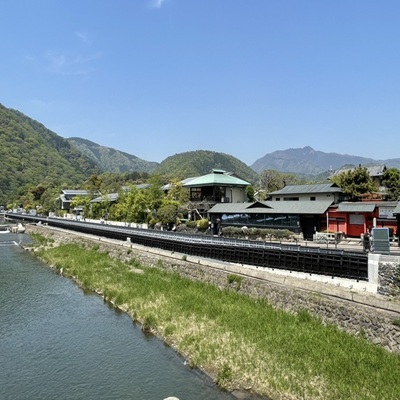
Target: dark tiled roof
x: 273, y: 207
x: 311, y: 189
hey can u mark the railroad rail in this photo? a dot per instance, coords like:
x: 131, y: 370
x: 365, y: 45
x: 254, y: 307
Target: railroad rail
x: 293, y: 257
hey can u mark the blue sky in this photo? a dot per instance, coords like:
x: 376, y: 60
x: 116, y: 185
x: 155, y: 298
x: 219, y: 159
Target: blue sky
x: 245, y: 77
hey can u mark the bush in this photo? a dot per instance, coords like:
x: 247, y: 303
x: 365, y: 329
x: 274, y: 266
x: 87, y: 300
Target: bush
x: 191, y: 224
x: 256, y: 233
x: 202, y: 224
x: 152, y: 222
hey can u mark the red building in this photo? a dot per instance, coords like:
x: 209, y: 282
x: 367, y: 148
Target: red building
x: 354, y: 218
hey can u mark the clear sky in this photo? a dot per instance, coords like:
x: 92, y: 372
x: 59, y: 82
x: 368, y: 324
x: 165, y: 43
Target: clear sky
x: 244, y: 77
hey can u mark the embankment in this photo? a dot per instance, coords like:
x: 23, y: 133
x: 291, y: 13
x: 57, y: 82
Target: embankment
x: 351, y: 312
x: 294, y: 357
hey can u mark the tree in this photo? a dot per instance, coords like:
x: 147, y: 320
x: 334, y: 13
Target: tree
x: 81, y: 201
x: 271, y: 180
x: 250, y: 193
x: 167, y: 214
x: 154, y: 193
x: 354, y: 182
x: 93, y: 184
x: 391, y: 181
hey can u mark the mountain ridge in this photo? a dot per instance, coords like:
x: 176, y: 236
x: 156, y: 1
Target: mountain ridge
x: 110, y: 159
x: 312, y: 162
x: 34, y: 155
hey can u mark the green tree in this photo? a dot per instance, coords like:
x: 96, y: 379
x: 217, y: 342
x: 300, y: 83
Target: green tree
x: 354, y: 183
x: 168, y: 214
x: 154, y: 193
x: 93, y: 184
x: 272, y: 180
x: 391, y: 181
x: 250, y: 193
x: 81, y: 201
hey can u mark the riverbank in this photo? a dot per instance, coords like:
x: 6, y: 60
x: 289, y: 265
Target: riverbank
x: 242, y: 342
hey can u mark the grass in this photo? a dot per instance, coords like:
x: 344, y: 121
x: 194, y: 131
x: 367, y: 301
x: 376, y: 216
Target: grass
x: 242, y: 342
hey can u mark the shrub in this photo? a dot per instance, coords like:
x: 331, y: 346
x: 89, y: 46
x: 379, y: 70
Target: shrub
x: 152, y: 222
x: 256, y: 233
x: 202, y: 224
x: 191, y: 224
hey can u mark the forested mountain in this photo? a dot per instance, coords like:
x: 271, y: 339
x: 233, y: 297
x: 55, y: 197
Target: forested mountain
x: 201, y: 162
x: 31, y: 155
x: 308, y: 161
x: 111, y: 160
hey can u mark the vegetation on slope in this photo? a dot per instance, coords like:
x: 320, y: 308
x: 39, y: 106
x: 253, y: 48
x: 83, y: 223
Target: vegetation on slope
x: 31, y: 155
x: 240, y: 341
x: 201, y: 162
x: 111, y: 160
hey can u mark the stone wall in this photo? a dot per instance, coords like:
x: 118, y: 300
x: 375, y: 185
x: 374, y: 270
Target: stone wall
x: 389, y: 279
x: 381, y: 327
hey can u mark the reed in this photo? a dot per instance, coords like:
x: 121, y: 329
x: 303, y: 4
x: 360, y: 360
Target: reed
x: 240, y: 341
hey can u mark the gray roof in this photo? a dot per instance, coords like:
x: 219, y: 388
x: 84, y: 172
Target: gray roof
x: 75, y: 192
x: 356, y: 207
x: 107, y: 197
x: 273, y: 207
x: 396, y: 211
x: 308, y: 189
x: 373, y: 170
x: 114, y: 196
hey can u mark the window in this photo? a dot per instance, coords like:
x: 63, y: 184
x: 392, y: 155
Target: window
x: 356, y: 219
x: 290, y: 199
x: 312, y: 198
x: 195, y: 193
x: 278, y: 199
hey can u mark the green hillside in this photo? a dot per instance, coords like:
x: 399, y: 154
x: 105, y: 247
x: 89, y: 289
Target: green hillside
x: 111, y: 160
x: 200, y: 162
x: 31, y: 155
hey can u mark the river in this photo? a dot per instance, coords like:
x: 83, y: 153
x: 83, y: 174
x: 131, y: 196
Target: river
x: 58, y: 342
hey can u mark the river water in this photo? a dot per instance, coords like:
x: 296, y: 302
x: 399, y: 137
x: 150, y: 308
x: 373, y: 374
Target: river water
x: 57, y: 342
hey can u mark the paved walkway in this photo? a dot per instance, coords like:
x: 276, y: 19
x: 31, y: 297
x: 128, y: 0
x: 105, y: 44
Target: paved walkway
x: 351, y: 244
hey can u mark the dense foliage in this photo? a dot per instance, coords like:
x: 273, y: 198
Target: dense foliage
x: 36, y: 164
x: 35, y: 158
x: 201, y: 162
x: 391, y: 180
x: 111, y: 160
x: 354, y: 183
x: 271, y: 180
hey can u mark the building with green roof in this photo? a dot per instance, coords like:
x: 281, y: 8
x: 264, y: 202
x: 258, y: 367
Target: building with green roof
x: 216, y: 187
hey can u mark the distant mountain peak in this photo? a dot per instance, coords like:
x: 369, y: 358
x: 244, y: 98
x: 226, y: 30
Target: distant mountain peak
x: 310, y: 162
